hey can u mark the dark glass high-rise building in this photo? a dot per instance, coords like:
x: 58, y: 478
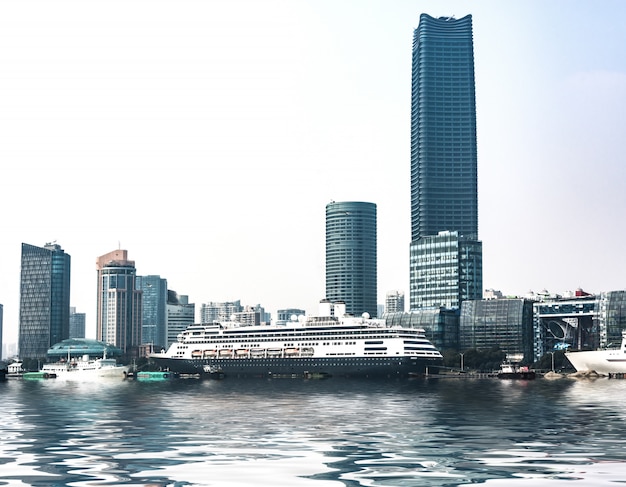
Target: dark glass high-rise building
x: 351, y: 271
x: 154, y: 310
x: 444, y: 194
x: 44, y: 299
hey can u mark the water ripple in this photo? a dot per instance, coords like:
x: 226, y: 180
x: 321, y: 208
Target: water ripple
x: 312, y: 433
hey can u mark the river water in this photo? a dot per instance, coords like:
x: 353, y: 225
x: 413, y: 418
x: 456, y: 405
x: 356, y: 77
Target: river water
x: 318, y: 433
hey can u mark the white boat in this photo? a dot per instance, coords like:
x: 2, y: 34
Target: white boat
x: 332, y: 344
x: 86, y: 369
x: 607, y: 361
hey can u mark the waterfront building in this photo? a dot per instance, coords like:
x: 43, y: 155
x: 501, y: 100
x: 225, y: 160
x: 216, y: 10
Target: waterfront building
x: 77, y: 323
x: 581, y: 321
x: 611, y: 318
x: 284, y: 315
x: 394, y: 302
x: 154, y: 310
x: 118, y: 320
x: 505, y: 324
x: 560, y: 323
x: 444, y: 171
x: 351, y: 262
x: 250, y: 315
x: 44, y: 299
x: 180, y: 314
x: 219, y: 311
x: 441, y: 325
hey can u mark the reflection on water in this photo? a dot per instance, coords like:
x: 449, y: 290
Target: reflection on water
x: 436, y: 432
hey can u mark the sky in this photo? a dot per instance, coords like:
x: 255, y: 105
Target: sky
x: 206, y: 138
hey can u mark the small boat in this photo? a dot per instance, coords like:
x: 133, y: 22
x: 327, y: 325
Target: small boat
x: 38, y: 375
x: 213, y: 372
x: 514, y: 371
x: 15, y: 370
x: 150, y: 376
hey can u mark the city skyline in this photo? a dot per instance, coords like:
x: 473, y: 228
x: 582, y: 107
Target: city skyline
x: 207, y: 140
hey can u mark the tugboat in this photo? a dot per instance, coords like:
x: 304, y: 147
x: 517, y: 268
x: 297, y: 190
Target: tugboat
x: 514, y: 371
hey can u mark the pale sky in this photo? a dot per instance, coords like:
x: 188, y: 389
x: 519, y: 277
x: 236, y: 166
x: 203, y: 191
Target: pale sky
x: 206, y: 138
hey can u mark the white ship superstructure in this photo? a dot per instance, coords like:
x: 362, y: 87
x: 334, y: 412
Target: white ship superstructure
x: 346, y: 346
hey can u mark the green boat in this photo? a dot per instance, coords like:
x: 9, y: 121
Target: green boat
x: 38, y: 375
x: 156, y: 375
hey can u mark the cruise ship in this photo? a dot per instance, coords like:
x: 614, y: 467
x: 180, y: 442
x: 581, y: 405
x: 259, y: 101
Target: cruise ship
x: 329, y: 345
x: 607, y: 361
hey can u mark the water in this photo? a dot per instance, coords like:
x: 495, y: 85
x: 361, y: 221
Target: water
x: 318, y: 433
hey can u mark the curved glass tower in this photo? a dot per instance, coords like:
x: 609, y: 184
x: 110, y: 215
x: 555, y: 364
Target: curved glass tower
x: 446, y: 256
x: 351, y: 256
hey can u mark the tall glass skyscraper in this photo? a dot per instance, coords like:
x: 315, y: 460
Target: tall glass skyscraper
x: 351, y: 271
x: 44, y: 299
x: 444, y: 194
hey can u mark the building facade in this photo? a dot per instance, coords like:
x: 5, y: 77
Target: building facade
x: 440, y: 324
x: 504, y: 324
x: 394, y: 302
x: 180, y: 314
x: 351, y: 260
x: 77, y: 323
x: 119, y: 316
x: 219, y: 311
x: 446, y: 270
x: 444, y: 170
x: 44, y: 299
x: 153, y: 310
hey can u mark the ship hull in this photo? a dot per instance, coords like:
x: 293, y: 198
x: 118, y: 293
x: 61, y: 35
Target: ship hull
x: 600, y: 361
x: 380, y: 367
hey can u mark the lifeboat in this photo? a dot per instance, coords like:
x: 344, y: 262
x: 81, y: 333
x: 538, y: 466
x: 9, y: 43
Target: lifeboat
x: 196, y: 354
x: 226, y: 353
x: 242, y: 352
x: 210, y: 353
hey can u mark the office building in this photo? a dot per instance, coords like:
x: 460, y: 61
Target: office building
x: 440, y: 325
x: 180, y: 314
x: 119, y: 317
x: 394, y: 302
x: 444, y: 182
x: 44, y: 299
x: 446, y: 269
x: 504, y: 324
x: 219, y: 311
x: 351, y: 271
x: 154, y: 310
x: 77, y: 323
